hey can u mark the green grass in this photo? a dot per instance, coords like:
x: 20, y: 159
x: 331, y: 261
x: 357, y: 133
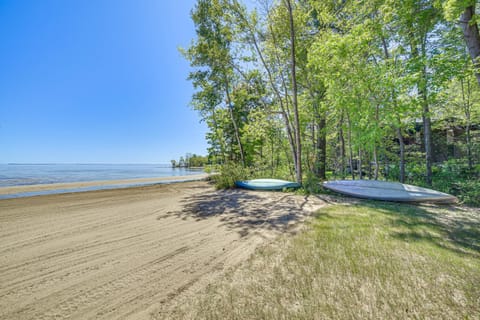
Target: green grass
x: 365, y: 261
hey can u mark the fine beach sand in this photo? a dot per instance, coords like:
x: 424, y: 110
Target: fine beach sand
x: 131, y: 252
x: 88, y: 184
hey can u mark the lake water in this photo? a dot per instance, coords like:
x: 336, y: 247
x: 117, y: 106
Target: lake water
x: 29, y: 174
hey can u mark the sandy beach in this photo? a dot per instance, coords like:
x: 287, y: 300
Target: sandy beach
x: 131, y: 252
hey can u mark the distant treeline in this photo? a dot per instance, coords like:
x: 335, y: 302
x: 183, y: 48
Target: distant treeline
x: 190, y: 161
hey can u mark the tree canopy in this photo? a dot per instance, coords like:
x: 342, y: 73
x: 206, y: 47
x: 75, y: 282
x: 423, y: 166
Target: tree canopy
x: 306, y: 90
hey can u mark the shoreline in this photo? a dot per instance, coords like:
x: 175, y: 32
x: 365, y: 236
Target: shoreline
x: 74, y: 187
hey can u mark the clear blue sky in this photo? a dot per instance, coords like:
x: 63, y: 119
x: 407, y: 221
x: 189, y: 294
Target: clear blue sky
x: 96, y: 81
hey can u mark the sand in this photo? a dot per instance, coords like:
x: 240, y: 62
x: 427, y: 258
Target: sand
x: 133, y: 252
x: 93, y: 184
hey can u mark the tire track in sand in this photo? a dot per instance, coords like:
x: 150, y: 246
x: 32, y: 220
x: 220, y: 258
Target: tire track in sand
x: 129, y: 253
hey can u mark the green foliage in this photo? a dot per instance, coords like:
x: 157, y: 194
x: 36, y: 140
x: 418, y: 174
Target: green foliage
x: 455, y: 177
x: 228, y: 174
x: 190, y: 161
x: 225, y: 175
x: 454, y: 8
x: 209, y: 169
x: 366, y: 71
x: 452, y: 176
x: 468, y: 191
x: 311, y: 184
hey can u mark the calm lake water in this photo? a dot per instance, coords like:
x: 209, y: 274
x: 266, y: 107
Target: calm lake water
x: 29, y: 174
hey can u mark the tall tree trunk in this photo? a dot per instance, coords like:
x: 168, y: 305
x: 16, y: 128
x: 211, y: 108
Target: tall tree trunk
x: 471, y: 37
x: 312, y: 157
x: 423, y: 93
x: 427, y: 135
x: 350, y: 149
x: 427, y: 127
x: 466, y: 110
x: 219, y: 137
x: 386, y: 165
x: 398, y: 129
x: 469, y: 147
x: 402, y: 155
x: 321, y: 148
x: 342, y: 147
x: 298, y: 158
x: 284, y: 109
x: 320, y: 139
x: 375, y: 159
x: 234, y: 122
x: 360, y: 172
x: 272, y: 165
x: 289, y: 163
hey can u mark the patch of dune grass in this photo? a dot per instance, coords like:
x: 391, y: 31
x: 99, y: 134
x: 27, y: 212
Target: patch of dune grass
x: 364, y: 261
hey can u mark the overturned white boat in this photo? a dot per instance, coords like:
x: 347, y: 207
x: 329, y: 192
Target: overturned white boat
x: 388, y: 191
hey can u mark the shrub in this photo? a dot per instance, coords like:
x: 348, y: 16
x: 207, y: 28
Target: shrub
x: 228, y: 174
x: 208, y: 169
x: 311, y: 184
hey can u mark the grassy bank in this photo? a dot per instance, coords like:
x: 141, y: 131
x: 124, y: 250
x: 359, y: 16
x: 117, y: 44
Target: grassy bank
x: 363, y: 261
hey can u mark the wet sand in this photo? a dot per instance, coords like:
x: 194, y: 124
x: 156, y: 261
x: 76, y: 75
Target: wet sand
x: 95, y: 184
x: 131, y: 252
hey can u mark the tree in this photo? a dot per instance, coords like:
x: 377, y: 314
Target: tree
x: 462, y: 104
x: 314, y: 85
x: 468, y: 22
x: 211, y: 54
x: 267, y: 42
x: 298, y: 155
x: 417, y: 23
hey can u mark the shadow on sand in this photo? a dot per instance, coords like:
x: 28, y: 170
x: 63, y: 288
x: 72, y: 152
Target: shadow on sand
x: 453, y: 228
x: 248, y: 211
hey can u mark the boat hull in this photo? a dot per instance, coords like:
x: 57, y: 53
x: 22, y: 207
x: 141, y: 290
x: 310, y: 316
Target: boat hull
x: 266, y: 184
x: 388, y: 191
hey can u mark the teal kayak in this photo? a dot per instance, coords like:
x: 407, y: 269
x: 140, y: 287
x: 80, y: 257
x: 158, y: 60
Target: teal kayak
x: 266, y: 184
